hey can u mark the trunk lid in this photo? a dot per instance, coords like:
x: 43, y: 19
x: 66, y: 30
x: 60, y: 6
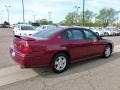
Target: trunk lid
x: 28, y: 44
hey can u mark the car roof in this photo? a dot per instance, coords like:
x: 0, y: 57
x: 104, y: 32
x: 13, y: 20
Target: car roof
x: 64, y: 27
x: 73, y: 27
x: 24, y: 25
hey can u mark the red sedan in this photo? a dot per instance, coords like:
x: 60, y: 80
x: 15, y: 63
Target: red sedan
x: 58, y: 48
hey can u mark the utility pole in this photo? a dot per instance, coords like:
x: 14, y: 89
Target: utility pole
x: 83, y: 12
x: 23, y: 11
x: 7, y: 11
x: 118, y: 19
x: 34, y: 17
x: 76, y: 16
x: 49, y: 13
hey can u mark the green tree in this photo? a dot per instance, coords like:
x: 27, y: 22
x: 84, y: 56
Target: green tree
x: 98, y: 23
x: 50, y: 22
x: 6, y: 23
x: 43, y: 21
x: 38, y: 21
x: 89, y: 17
x: 107, y: 16
x: 30, y: 22
x: 70, y: 19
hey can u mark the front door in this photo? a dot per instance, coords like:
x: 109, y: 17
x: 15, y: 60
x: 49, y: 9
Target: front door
x: 94, y: 46
x: 76, y: 44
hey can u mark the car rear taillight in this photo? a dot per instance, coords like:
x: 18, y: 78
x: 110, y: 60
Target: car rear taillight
x: 25, y: 48
x: 23, y: 44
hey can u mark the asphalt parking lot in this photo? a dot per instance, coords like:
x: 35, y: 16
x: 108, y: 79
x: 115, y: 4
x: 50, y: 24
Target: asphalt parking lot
x: 95, y: 74
x: 6, y: 36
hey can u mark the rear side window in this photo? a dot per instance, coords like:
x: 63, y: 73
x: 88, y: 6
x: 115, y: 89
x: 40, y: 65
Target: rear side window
x: 72, y: 35
x: 27, y: 28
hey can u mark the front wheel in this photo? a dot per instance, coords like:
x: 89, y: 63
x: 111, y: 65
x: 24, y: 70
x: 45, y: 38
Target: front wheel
x: 60, y: 62
x: 107, y: 51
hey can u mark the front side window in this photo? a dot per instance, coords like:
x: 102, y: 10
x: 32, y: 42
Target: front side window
x: 72, y: 35
x: 89, y: 35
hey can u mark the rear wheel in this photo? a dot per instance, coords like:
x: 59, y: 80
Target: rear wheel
x: 60, y: 62
x: 107, y: 51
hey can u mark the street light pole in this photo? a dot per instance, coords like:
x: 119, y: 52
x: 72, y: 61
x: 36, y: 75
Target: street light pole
x: 7, y: 11
x: 83, y: 12
x: 76, y: 17
x: 49, y: 16
x: 23, y: 11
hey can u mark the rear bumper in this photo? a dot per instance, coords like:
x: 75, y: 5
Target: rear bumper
x: 29, y: 61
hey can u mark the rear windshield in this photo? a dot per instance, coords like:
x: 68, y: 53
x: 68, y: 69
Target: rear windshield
x: 27, y: 28
x: 45, y: 33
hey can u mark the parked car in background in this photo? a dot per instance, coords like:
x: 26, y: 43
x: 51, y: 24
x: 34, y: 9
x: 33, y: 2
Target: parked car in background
x: 107, y: 32
x: 58, y: 48
x: 11, y: 26
x: 24, y: 30
x: 115, y: 31
x: 43, y: 27
x: 5, y: 25
x: 111, y: 31
x: 35, y: 25
x: 118, y: 31
x: 0, y: 25
x: 98, y: 31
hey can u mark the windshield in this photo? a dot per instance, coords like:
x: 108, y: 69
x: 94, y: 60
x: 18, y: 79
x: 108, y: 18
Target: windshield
x: 45, y: 33
x: 27, y: 28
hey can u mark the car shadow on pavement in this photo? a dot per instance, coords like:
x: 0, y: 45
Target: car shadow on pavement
x: 79, y: 67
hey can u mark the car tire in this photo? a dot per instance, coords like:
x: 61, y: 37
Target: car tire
x: 60, y: 63
x: 107, y: 52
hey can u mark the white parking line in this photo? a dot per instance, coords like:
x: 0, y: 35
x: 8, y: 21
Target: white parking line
x: 15, y: 73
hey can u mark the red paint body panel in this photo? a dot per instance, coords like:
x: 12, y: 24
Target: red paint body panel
x: 43, y: 50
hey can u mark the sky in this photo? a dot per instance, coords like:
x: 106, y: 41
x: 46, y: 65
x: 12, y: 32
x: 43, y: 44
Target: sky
x: 59, y: 8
